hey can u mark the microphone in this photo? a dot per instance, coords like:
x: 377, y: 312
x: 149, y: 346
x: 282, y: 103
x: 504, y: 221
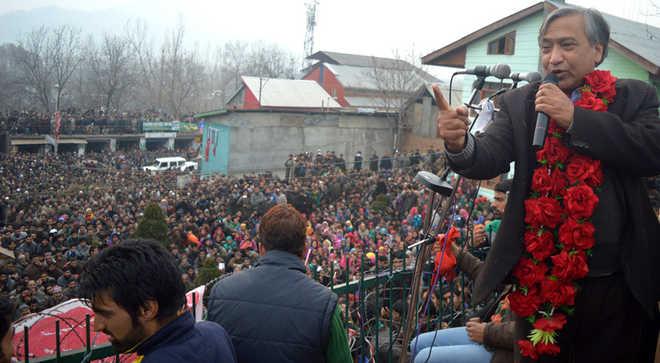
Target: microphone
x: 529, y: 77
x: 541, y: 128
x: 500, y: 71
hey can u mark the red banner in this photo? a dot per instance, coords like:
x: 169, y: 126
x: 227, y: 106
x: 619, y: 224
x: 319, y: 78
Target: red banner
x: 58, y: 124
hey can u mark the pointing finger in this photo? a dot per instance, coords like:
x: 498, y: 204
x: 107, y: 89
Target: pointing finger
x: 440, y: 100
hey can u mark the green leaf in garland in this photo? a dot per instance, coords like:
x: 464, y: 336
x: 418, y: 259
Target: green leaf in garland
x: 539, y: 336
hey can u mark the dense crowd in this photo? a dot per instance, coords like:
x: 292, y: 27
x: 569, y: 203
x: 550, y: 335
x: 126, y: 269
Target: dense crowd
x: 77, y: 121
x: 60, y: 209
x: 310, y: 164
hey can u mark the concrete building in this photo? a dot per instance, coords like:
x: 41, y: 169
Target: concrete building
x: 359, y: 81
x: 402, y: 90
x: 148, y: 136
x: 268, y: 119
x: 244, y: 141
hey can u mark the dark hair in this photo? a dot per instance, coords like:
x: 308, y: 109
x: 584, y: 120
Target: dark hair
x: 595, y: 26
x: 133, y: 273
x: 503, y: 186
x: 7, y: 309
x: 283, y: 228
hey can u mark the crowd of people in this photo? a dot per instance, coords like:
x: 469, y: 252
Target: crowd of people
x: 76, y: 121
x: 58, y: 210
x: 310, y: 164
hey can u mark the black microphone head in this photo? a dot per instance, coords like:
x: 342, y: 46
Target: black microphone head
x: 481, y: 71
x: 500, y: 71
x: 551, y: 78
x: 533, y: 77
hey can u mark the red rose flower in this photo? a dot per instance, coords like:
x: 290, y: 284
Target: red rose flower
x: 581, y: 168
x: 557, y: 293
x: 541, y: 181
x: 553, y: 152
x: 554, y: 129
x: 528, y: 273
x: 556, y: 322
x: 587, y: 100
x: 546, y: 183
x: 580, y: 201
x: 539, y: 245
x: 591, y: 101
x: 527, y: 349
x: 525, y: 305
x: 569, y: 266
x: 547, y: 349
x: 602, y: 82
x: 559, y: 183
x: 543, y: 211
x: 577, y: 235
x: 599, y: 105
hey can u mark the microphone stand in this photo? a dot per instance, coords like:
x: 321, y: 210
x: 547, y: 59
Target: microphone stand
x: 478, y: 84
x: 437, y: 186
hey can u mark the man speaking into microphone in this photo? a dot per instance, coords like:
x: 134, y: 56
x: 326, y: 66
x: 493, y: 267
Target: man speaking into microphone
x: 578, y: 241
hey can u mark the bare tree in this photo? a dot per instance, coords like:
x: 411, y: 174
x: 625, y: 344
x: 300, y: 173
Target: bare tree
x: 257, y: 60
x: 149, y: 70
x: 13, y: 93
x: 265, y: 60
x: 183, y: 73
x: 396, y: 80
x: 66, y: 55
x: 48, y: 59
x: 168, y: 76
x: 110, y: 64
x: 32, y: 56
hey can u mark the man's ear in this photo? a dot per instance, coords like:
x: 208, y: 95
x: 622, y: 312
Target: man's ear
x: 148, y: 311
x: 599, y: 52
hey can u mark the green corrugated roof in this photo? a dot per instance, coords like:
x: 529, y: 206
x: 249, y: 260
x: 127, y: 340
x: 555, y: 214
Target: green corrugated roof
x: 211, y: 113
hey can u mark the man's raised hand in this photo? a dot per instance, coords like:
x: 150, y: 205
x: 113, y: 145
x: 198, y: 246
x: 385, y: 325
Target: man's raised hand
x: 452, y: 122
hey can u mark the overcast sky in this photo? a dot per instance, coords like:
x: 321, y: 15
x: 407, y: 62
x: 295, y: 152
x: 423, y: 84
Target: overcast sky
x: 352, y: 26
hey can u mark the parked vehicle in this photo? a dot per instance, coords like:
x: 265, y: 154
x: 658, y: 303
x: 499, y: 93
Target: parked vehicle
x: 171, y: 163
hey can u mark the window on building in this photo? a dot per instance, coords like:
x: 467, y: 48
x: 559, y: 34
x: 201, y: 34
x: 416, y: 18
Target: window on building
x: 503, y: 45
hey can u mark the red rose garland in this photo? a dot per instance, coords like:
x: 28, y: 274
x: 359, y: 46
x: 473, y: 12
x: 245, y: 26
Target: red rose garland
x: 559, y: 233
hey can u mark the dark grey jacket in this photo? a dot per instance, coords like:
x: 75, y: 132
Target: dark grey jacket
x: 274, y: 312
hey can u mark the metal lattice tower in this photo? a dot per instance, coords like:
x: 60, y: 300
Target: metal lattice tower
x: 309, y: 34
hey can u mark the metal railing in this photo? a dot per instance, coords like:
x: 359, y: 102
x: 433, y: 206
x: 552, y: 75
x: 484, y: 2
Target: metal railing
x: 372, y: 336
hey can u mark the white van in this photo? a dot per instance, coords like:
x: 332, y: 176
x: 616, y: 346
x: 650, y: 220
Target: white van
x: 171, y: 163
